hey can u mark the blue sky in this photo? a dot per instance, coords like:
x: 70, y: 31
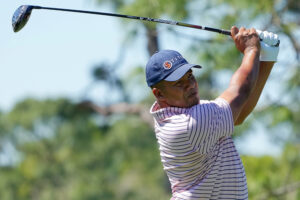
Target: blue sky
x: 54, y: 45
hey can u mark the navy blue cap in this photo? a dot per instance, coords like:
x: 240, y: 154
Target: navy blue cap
x: 166, y: 65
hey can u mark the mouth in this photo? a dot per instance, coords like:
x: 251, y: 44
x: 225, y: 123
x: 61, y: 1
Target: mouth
x: 193, y: 94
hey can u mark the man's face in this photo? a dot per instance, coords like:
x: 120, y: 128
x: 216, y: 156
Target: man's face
x: 181, y: 93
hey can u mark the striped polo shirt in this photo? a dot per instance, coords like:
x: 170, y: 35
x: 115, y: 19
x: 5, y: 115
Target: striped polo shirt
x: 198, y: 153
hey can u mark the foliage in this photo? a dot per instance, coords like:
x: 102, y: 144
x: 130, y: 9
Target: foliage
x: 67, y: 152
x: 83, y: 160
x: 271, y: 177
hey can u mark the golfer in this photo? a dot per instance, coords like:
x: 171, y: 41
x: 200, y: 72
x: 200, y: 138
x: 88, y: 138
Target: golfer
x: 194, y: 136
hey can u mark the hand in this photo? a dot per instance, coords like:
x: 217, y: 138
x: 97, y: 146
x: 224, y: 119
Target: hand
x: 268, y: 52
x: 245, y: 39
x: 268, y: 37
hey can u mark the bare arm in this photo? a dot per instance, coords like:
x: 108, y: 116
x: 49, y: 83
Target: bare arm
x: 264, y: 72
x: 244, y: 79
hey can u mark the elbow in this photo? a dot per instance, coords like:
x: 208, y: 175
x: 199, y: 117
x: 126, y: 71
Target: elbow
x: 239, y: 122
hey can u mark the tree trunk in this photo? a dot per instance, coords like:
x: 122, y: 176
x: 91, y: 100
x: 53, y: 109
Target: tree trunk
x: 152, y: 40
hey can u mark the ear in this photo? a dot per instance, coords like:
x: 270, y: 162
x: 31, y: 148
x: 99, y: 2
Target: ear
x: 158, y: 93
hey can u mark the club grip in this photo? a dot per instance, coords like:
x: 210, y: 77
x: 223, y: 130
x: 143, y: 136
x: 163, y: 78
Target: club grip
x: 225, y: 32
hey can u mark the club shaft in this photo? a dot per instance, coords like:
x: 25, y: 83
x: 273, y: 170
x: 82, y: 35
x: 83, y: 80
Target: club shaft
x: 221, y: 31
x: 171, y: 22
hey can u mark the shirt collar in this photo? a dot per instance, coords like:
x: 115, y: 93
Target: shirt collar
x: 162, y: 113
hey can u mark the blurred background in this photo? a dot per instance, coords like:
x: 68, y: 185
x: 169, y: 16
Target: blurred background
x: 74, y: 104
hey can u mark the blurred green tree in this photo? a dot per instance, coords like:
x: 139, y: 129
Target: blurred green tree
x: 75, y: 151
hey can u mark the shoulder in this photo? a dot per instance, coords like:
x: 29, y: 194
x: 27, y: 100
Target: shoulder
x: 208, y: 109
x: 219, y: 102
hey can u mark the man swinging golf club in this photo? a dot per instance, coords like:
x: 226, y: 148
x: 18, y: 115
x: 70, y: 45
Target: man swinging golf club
x: 194, y: 136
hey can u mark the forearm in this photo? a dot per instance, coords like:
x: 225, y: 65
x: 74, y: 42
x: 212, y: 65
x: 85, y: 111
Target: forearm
x: 246, y: 75
x: 264, y: 72
x: 242, y: 83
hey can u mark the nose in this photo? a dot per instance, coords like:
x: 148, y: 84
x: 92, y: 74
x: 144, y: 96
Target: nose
x: 190, y: 84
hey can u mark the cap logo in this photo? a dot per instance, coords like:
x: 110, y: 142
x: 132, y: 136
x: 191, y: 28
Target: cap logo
x: 167, y: 65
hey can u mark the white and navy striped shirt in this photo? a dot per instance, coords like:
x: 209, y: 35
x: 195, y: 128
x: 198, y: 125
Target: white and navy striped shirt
x: 198, y: 153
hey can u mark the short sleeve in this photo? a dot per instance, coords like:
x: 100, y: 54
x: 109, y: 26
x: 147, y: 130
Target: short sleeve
x: 209, y: 121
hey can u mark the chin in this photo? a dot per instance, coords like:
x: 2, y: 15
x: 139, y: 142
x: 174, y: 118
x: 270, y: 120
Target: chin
x: 193, y: 102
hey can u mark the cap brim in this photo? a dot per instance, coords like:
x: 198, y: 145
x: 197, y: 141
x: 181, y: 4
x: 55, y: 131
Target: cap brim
x: 178, y: 73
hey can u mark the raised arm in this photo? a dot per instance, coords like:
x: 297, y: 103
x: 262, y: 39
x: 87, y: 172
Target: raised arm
x: 268, y: 56
x: 244, y: 79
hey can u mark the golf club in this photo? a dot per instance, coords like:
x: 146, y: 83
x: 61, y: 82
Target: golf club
x: 22, y: 15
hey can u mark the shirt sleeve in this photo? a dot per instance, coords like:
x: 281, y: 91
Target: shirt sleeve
x: 209, y: 121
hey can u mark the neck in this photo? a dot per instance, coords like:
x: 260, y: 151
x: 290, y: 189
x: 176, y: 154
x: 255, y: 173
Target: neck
x: 162, y: 104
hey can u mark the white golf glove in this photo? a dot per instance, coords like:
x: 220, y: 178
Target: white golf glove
x: 268, y: 50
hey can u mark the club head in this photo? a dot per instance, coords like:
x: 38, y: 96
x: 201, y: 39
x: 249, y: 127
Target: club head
x: 21, y: 16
